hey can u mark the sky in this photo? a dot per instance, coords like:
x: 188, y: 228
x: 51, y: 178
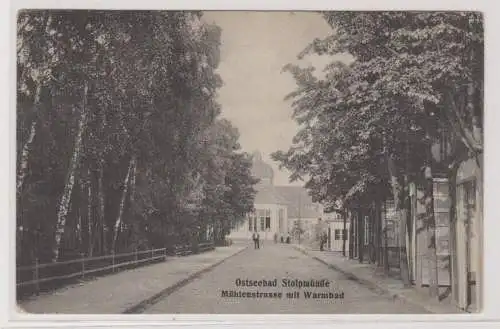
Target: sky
x: 255, y: 47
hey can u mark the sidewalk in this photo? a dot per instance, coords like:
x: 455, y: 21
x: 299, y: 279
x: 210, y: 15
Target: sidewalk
x: 132, y: 290
x: 368, y: 275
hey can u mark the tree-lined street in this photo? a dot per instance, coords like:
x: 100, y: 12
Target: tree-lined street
x: 124, y: 148
x: 276, y: 261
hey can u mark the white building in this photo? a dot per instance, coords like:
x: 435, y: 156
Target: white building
x: 270, y: 215
x: 278, y: 209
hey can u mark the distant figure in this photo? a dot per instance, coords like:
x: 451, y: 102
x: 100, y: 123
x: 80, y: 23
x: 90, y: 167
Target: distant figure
x: 324, y: 239
x: 275, y: 237
x: 288, y: 239
x: 282, y: 239
x: 258, y: 241
x: 255, y: 240
x: 321, y: 236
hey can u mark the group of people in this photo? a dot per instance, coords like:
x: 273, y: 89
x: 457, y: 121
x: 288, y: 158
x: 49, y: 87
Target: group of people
x: 282, y: 238
x: 322, y: 236
x: 256, y: 239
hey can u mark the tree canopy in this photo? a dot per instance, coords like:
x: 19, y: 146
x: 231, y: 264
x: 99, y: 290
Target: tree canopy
x: 118, y: 125
x: 413, y: 76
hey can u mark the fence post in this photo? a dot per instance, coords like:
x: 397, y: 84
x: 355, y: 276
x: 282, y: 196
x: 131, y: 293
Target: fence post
x: 36, y: 277
x: 152, y: 253
x: 136, y: 254
x: 83, y: 264
x: 113, y: 261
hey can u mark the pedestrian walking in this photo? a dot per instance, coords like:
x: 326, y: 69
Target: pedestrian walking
x: 258, y: 241
x: 255, y: 240
x: 323, y: 241
x: 275, y: 237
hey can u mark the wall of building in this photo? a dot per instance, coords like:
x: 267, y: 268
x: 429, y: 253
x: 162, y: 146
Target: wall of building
x: 277, y: 215
x: 468, y: 234
x: 336, y: 238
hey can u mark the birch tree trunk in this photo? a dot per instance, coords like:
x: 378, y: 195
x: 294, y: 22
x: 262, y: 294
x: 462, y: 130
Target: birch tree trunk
x: 122, y: 204
x: 100, y: 196
x: 62, y: 213
x: 135, y: 223
x: 89, y: 215
x: 23, y: 163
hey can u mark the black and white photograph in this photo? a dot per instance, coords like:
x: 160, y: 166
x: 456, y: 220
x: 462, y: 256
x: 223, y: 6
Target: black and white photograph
x: 249, y: 162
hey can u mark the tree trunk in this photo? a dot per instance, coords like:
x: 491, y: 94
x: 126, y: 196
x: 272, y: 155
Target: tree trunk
x: 430, y: 223
x: 373, y: 220
x: 89, y: 215
x: 134, y: 218
x: 70, y: 180
x: 378, y: 234
x: 452, y: 179
x: 344, y: 232
x: 122, y: 204
x: 351, y: 236
x: 479, y: 231
x: 385, y: 242
x: 397, y: 192
x: 23, y: 162
x: 361, y: 235
x: 403, y: 255
x: 100, y: 196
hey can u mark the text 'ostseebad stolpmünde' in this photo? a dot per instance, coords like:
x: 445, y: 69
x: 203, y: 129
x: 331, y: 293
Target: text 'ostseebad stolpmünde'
x: 307, y: 289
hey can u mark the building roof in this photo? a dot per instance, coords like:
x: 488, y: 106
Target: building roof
x: 298, y: 201
x: 300, y: 204
x: 268, y: 194
x: 260, y: 169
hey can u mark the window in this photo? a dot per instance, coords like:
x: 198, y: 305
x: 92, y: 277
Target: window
x: 280, y: 220
x: 268, y: 219
x: 338, y: 234
x: 262, y: 227
x: 249, y: 223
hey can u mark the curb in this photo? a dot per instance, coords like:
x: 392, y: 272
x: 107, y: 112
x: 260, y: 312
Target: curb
x: 370, y: 284
x: 143, y: 305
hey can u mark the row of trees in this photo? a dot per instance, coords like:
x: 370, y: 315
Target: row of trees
x: 120, y: 143
x: 368, y: 126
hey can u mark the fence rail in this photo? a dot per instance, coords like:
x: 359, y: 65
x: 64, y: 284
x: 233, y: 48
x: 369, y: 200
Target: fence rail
x: 30, y: 279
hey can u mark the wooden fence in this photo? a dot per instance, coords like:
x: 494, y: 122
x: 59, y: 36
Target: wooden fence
x: 39, y: 277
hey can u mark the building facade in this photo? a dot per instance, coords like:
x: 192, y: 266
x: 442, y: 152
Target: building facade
x: 270, y: 215
x: 280, y: 210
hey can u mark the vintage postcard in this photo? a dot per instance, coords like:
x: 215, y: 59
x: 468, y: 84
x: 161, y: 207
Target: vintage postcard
x: 249, y: 162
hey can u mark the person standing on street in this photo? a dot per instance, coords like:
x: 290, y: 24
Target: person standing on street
x: 255, y: 240
x: 258, y: 241
x: 321, y: 235
x: 324, y: 240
